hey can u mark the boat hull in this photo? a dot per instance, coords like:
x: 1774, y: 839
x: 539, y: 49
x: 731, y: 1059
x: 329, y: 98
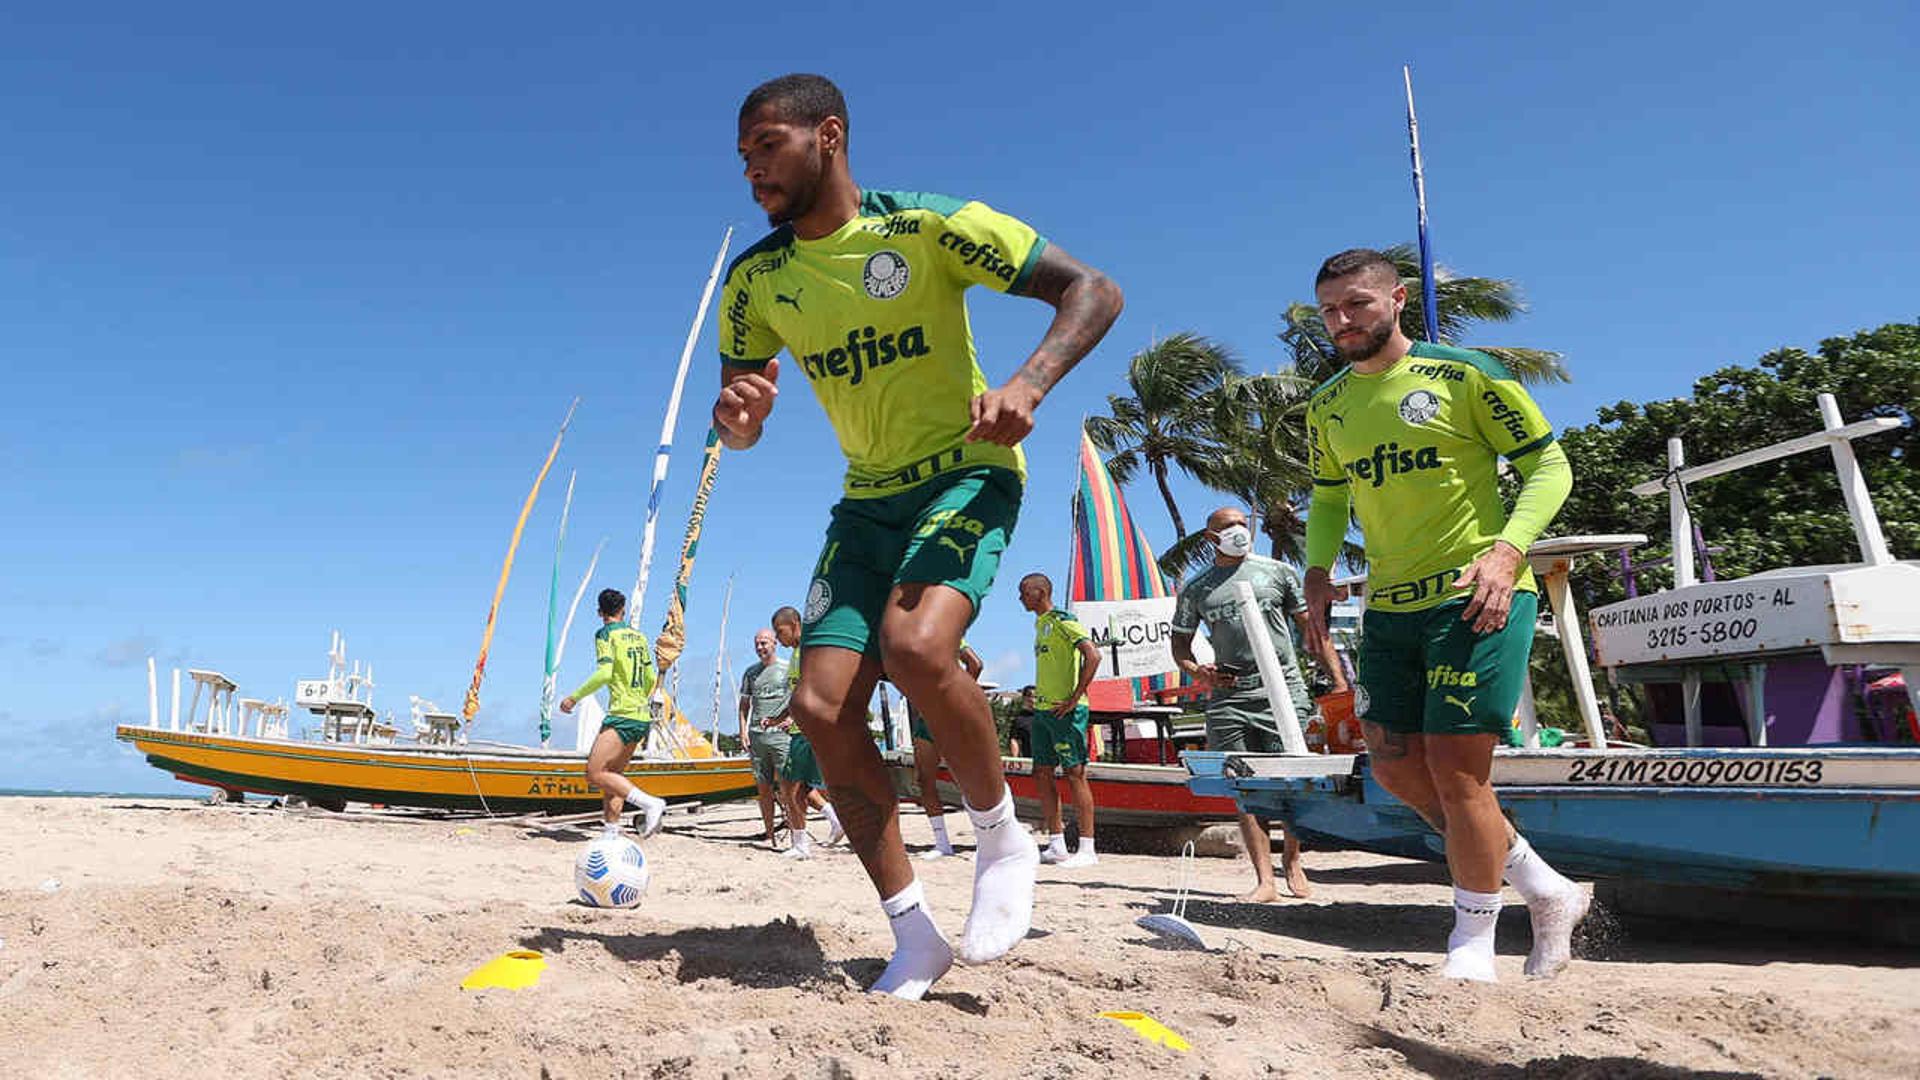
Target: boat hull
x: 1124, y: 795
x: 1836, y: 822
x: 500, y: 780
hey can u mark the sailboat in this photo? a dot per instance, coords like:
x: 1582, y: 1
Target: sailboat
x: 245, y: 745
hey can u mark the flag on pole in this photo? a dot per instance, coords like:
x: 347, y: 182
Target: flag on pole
x: 1116, y: 589
x: 1429, y: 306
x: 673, y: 635
x: 553, y: 612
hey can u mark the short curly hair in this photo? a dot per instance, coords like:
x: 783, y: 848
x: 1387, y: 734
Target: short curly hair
x: 799, y: 99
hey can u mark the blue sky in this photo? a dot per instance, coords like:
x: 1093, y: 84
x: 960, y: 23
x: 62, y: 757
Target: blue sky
x: 292, y: 300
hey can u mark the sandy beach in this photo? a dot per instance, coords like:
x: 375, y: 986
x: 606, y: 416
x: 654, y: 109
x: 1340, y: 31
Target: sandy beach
x: 184, y: 941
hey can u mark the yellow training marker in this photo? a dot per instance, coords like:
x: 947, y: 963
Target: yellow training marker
x: 514, y: 970
x: 1150, y: 1029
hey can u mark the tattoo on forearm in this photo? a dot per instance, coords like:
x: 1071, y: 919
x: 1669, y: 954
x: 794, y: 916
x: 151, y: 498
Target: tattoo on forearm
x: 1086, y: 302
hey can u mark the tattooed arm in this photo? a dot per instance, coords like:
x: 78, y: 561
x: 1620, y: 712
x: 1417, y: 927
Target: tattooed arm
x: 1085, y: 303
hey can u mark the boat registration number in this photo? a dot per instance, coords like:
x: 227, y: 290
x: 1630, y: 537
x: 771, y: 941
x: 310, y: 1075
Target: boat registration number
x: 1699, y: 772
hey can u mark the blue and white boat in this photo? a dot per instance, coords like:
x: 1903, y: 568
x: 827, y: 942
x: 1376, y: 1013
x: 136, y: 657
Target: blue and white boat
x: 1784, y: 776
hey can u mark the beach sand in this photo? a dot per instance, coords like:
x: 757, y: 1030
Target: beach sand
x: 194, y: 941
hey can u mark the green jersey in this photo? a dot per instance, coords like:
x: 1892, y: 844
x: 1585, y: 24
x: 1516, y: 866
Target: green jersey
x: 623, y: 663
x: 1056, y: 659
x: 1210, y: 597
x: 765, y: 688
x: 1414, y: 450
x: 875, y: 317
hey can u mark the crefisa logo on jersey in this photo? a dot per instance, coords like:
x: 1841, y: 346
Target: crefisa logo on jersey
x: 1419, y: 406
x: 885, y: 275
x: 819, y: 599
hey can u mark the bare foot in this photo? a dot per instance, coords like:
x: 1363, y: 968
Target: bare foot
x: 1297, y: 882
x: 1263, y: 893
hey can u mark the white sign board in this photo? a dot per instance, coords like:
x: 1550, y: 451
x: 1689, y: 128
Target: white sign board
x: 1135, y: 636
x: 310, y: 692
x: 1752, y: 615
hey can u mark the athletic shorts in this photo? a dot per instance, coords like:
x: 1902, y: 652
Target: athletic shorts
x: 1241, y: 721
x: 801, y: 766
x: 630, y: 731
x: 917, y: 724
x: 767, y: 749
x: 1060, y: 741
x: 949, y: 531
x: 1427, y: 672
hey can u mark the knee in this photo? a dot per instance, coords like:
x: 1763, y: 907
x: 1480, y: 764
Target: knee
x: 916, y: 656
x: 814, y: 709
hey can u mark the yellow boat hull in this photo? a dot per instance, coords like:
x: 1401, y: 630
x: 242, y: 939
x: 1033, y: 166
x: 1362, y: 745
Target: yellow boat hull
x: 492, y: 779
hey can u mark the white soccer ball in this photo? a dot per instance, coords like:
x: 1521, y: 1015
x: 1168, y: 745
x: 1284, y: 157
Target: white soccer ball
x: 611, y: 873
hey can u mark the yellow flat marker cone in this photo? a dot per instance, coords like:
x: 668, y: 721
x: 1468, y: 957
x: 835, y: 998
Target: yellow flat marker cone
x: 463, y: 832
x: 1150, y: 1029
x: 514, y: 970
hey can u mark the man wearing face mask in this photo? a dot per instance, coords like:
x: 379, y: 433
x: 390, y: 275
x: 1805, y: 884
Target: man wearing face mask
x: 1239, y: 715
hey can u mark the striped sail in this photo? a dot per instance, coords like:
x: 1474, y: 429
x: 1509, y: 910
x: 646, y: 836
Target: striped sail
x: 1112, y: 559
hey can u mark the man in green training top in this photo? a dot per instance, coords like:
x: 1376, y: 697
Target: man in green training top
x: 1065, y: 661
x: 1239, y: 714
x: 765, y: 730
x: 865, y: 291
x: 800, y: 780
x: 926, y: 762
x: 1408, y: 437
x: 623, y: 663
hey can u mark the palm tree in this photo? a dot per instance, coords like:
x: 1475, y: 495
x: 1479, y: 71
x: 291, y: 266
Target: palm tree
x: 1463, y: 302
x: 1166, y: 422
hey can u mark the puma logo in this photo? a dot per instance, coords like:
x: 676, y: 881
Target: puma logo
x: 963, y: 551
x: 1465, y: 706
x: 1337, y: 418
x: 794, y: 300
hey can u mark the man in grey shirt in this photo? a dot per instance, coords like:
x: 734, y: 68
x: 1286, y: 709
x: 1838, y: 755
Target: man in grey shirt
x: 1239, y: 716
x: 765, y: 727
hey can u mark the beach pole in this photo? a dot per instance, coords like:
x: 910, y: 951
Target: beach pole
x: 174, y: 722
x: 553, y: 604
x: 1284, y: 717
x: 1429, y: 306
x: 666, y: 430
x: 153, y: 695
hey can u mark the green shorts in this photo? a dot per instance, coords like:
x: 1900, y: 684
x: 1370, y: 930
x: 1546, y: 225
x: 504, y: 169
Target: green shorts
x: 801, y: 766
x: 1241, y: 721
x: 917, y: 724
x: 948, y: 531
x: 1060, y: 741
x: 767, y: 750
x: 1427, y: 672
x: 630, y: 731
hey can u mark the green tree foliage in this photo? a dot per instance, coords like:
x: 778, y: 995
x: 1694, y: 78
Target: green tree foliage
x: 1163, y: 424
x: 1464, y: 302
x: 1784, y: 513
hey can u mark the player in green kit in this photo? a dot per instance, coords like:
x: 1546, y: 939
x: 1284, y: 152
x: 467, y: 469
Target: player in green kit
x: 800, y: 780
x: 1408, y: 437
x: 623, y: 663
x: 765, y: 730
x: 865, y: 292
x: 1065, y: 661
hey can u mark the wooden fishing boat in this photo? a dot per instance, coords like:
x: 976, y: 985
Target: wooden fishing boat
x: 1126, y: 796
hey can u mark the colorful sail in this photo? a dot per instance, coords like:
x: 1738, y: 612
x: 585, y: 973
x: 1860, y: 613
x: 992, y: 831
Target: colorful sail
x: 547, y: 690
x: 1112, y: 561
x: 673, y: 635
x: 472, y: 704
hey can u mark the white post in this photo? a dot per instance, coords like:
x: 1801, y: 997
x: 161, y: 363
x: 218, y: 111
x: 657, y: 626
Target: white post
x: 1682, y: 521
x: 193, y: 708
x: 1270, y: 673
x: 1757, y: 704
x: 174, y: 723
x: 153, y: 695
x: 1866, y: 523
x: 1567, y: 621
x: 1529, y: 716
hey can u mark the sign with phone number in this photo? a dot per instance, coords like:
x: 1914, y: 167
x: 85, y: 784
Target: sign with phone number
x: 1735, y: 617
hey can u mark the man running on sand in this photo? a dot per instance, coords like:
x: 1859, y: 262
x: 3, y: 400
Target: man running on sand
x: 623, y: 663
x: 1408, y: 437
x: 865, y: 290
x: 800, y: 782
x: 1239, y: 714
x: 926, y: 762
x: 763, y: 732
x: 1065, y: 660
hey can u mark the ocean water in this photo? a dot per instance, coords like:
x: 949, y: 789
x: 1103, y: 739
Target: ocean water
x: 42, y: 793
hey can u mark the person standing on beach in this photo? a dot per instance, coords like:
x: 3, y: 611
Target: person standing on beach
x: 763, y: 732
x: 623, y: 663
x: 865, y: 290
x: 1408, y: 437
x: 800, y: 781
x: 1239, y: 714
x: 1065, y: 660
x: 926, y: 761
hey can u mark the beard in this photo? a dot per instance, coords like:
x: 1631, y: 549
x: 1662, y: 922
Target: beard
x: 804, y: 193
x: 1376, y: 340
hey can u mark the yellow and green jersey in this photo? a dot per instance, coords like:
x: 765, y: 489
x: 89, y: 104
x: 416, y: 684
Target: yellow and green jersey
x: 875, y: 317
x: 623, y: 663
x: 1414, y: 450
x: 1056, y: 658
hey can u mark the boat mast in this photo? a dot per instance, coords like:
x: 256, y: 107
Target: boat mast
x: 719, y: 665
x: 553, y: 604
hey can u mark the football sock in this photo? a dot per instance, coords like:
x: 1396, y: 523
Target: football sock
x: 1555, y: 906
x: 1470, y: 946
x: 1004, y: 862
x: 920, y: 952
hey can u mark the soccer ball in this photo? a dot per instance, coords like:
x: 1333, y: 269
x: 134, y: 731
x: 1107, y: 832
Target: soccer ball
x: 612, y: 872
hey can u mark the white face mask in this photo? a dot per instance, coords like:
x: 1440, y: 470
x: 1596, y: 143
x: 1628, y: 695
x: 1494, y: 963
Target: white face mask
x: 1234, y: 541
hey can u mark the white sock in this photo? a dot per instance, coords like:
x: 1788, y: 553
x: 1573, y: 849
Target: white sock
x: 802, y: 846
x: 1053, y: 847
x: 834, y: 831
x: 1470, y: 946
x: 920, y: 952
x: 1086, y: 846
x: 654, y: 808
x: 1082, y: 857
x: 940, y: 841
x: 1555, y: 905
x: 1003, y: 868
